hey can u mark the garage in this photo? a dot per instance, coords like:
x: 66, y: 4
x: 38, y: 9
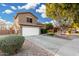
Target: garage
x: 30, y: 30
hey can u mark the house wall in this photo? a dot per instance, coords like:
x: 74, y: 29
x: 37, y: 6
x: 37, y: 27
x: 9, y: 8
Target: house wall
x: 23, y: 19
x: 20, y: 23
x: 16, y: 25
x: 16, y: 22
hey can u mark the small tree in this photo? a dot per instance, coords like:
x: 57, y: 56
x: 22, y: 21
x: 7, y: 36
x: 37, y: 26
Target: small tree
x: 49, y: 26
x: 65, y: 13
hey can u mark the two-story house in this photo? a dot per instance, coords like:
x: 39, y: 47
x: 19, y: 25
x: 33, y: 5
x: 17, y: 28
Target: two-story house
x: 25, y: 23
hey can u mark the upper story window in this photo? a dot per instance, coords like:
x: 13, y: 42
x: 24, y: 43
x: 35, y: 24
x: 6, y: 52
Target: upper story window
x: 29, y: 20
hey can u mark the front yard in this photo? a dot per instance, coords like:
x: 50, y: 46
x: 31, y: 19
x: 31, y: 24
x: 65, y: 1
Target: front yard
x: 29, y: 49
x: 44, y: 45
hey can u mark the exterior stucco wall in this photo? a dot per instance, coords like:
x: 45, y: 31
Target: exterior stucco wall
x: 23, y: 19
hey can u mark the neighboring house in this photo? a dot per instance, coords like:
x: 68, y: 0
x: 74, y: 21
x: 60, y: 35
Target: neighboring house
x: 25, y: 23
x: 4, y: 27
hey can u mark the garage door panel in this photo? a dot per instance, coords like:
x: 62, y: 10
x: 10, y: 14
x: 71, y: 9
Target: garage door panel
x: 28, y: 31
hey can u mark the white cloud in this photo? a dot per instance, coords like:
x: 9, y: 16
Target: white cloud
x: 3, y: 4
x: 54, y: 23
x: 13, y: 7
x: 43, y: 15
x: 5, y: 21
x: 42, y: 10
x: 2, y: 20
x: 28, y: 6
x: 45, y: 22
x: 19, y: 7
x: 8, y: 22
x: 8, y: 11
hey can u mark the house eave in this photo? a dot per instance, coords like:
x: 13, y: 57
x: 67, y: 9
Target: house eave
x: 31, y: 25
x: 24, y: 13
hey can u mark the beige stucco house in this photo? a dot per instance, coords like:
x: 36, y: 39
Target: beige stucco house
x: 2, y: 25
x: 25, y: 23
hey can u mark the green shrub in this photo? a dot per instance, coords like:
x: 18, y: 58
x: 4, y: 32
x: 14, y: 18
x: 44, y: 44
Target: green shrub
x: 51, y: 34
x: 43, y: 31
x: 11, y: 44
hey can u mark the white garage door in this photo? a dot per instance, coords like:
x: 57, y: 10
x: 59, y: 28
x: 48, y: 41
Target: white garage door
x: 29, y: 30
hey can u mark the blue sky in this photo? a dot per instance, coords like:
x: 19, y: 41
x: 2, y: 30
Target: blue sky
x: 9, y: 10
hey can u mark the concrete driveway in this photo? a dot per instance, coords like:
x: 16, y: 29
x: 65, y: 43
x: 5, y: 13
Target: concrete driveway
x: 57, y: 46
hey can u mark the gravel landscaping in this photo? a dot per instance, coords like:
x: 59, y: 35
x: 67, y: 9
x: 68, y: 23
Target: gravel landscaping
x: 30, y: 49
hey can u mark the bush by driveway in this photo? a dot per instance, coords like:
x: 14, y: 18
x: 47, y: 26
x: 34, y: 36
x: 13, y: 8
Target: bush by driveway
x: 29, y: 49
